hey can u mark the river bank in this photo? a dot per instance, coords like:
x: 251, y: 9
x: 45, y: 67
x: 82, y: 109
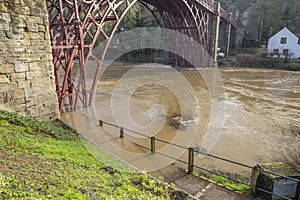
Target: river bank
x: 259, y: 60
x: 43, y: 160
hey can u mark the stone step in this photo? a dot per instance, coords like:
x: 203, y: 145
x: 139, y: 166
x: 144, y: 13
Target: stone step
x: 195, y: 186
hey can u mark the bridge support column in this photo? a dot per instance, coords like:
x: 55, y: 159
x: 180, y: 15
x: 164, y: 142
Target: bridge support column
x: 217, y: 30
x: 228, y: 36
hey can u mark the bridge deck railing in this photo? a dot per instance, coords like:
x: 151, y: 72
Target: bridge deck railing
x: 190, y: 161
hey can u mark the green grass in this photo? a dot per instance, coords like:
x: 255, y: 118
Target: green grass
x: 43, y: 160
x: 228, y: 183
x: 244, y: 189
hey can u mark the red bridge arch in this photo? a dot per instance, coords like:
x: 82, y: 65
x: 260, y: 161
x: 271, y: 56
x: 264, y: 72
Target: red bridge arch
x: 75, y: 26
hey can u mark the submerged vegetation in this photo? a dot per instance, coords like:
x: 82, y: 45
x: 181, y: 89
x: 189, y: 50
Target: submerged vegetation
x: 47, y: 160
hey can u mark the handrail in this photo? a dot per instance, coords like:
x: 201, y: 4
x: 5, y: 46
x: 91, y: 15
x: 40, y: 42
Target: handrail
x: 199, y: 152
x: 266, y: 191
x: 224, y: 159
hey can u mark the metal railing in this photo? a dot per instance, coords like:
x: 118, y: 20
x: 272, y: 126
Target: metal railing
x: 190, y: 160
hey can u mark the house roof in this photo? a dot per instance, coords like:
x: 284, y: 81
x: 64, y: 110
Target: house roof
x: 284, y: 30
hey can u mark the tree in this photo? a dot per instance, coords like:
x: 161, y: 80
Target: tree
x: 277, y: 14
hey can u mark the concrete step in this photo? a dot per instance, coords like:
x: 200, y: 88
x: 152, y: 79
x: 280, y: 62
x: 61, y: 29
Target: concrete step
x: 197, y: 187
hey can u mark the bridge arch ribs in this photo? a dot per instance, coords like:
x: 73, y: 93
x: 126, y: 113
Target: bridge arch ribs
x: 76, y: 26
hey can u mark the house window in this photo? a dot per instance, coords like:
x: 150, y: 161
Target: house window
x: 285, y: 52
x: 276, y: 51
x: 283, y: 40
x: 245, y: 22
x: 246, y: 14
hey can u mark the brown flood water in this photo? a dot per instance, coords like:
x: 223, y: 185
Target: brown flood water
x: 261, y: 107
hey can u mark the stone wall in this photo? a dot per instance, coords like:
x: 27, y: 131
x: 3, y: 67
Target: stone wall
x: 26, y: 70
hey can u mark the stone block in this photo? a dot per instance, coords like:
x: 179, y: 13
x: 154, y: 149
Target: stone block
x: 4, y: 87
x: 50, y: 116
x: 32, y: 27
x: 4, y: 26
x: 15, y: 35
x: 19, y: 93
x: 14, y: 43
x: 29, y: 101
x: 4, y: 16
x: 5, y: 107
x: 7, y: 68
x: 47, y: 57
x: 32, y: 35
x: 32, y: 92
x: 19, y: 101
x: 3, y: 36
x: 16, y: 50
x: 34, y: 49
x: 18, y: 21
x: 22, y: 10
x: 42, y: 82
x: 2, y: 100
x: 32, y: 111
x: 18, y: 76
x: 13, y: 59
x: 24, y: 84
x: 3, y: 49
x: 4, y: 79
x: 36, y: 42
x: 3, y: 7
x: 32, y: 74
x: 33, y: 66
x: 6, y: 97
x: 42, y: 28
x: 21, y: 67
x: 29, y: 57
x: 26, y: 42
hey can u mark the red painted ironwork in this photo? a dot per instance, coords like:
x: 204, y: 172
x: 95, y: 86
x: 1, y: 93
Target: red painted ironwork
x: 75, y: 26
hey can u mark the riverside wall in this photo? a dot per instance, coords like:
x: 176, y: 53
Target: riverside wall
x: 26, y: 71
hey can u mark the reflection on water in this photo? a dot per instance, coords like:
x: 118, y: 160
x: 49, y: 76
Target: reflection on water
x: 262, y: 105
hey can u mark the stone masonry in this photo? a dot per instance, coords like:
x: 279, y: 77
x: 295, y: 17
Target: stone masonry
x: 26, y: 70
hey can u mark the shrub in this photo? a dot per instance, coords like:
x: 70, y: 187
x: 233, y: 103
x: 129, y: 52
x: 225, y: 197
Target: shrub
x: 247, y: 60
x: 292, y: 66
x: 291, y: 156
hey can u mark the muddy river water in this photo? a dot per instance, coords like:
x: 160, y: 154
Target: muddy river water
x: 261, y: 116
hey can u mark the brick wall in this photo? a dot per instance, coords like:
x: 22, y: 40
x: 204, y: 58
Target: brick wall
x: 26, y: 70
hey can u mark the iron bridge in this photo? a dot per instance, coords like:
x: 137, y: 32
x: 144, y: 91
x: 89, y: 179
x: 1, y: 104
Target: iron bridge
x: 75, y: 26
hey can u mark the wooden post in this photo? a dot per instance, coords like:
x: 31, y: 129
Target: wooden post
x: 190, y: 160
x: 121, y: 132
x: 215, y: 55
x: 100, y: 123
x: 152, y: 145
x: 254, y: 176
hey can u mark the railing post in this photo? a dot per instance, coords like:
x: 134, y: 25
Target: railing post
x: 254, y: 176
x: 152, y: 145
x: 100, y: 123
x: 121, y: 132
x: 190, y: 160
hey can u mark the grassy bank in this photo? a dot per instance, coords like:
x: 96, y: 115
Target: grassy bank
x: 255, y: 58
x: 260, y: 60
x: 41, y: 160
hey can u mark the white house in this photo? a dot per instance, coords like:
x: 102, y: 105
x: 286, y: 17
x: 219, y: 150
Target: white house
x: 284, y: 43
